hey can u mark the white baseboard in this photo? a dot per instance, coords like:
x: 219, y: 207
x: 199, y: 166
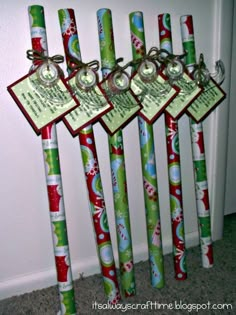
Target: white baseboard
x: 46, y: 278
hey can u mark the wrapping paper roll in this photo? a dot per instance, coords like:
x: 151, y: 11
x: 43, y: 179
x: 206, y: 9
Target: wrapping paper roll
x: 92, y: 171
x: 174, y: 169
x: 199, y: 162
x: 54, y: 181
x: 117, y: 161
x: 147, y: 150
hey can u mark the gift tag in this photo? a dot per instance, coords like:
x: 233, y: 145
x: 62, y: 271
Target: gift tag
x: 153, y: 91
x: 211, y: 96
x: 189, y: 91
x: 125, y: 103
x: 93, y: 102
x: 43, y: 96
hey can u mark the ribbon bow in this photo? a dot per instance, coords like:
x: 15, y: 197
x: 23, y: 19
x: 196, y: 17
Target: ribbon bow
x: 74, y: 64
x: 36, y: 55
x: 154, y: 54
x: 164, y: 56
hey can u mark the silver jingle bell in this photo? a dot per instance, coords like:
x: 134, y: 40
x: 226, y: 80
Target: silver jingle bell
x: 48, y: 74
x: 175, y: 70
x: 118, y: 82
x: 201, y: 76
x: 147, y: 71
x: 86, y: 78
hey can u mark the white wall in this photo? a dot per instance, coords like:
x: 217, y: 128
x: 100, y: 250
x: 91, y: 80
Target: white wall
x: 230, y: 206
x: 27, y: 260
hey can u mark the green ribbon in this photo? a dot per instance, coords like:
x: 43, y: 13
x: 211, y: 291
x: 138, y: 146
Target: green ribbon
x: 36, y: 55
x: 154, y: 54
x: 74, y: 64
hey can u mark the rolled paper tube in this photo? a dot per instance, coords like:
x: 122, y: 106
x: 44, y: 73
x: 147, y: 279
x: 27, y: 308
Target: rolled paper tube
x: 174, y: 169
x: 198, y: 150
x: 117, y: 162
x: 92, y: 172
x: 147, y: 151
x: 54, y: 181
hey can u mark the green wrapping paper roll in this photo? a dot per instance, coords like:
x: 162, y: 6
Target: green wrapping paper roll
x: 174, y: 169
x: 54, y: 182
x: 198, y: 150
x: 148, y: 168
x: 92, y: 171
x: 117, y: 161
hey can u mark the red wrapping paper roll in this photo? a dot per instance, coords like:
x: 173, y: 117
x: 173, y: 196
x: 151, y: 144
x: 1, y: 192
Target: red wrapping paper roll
x: 92, y: 171
x: 174, y: 169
